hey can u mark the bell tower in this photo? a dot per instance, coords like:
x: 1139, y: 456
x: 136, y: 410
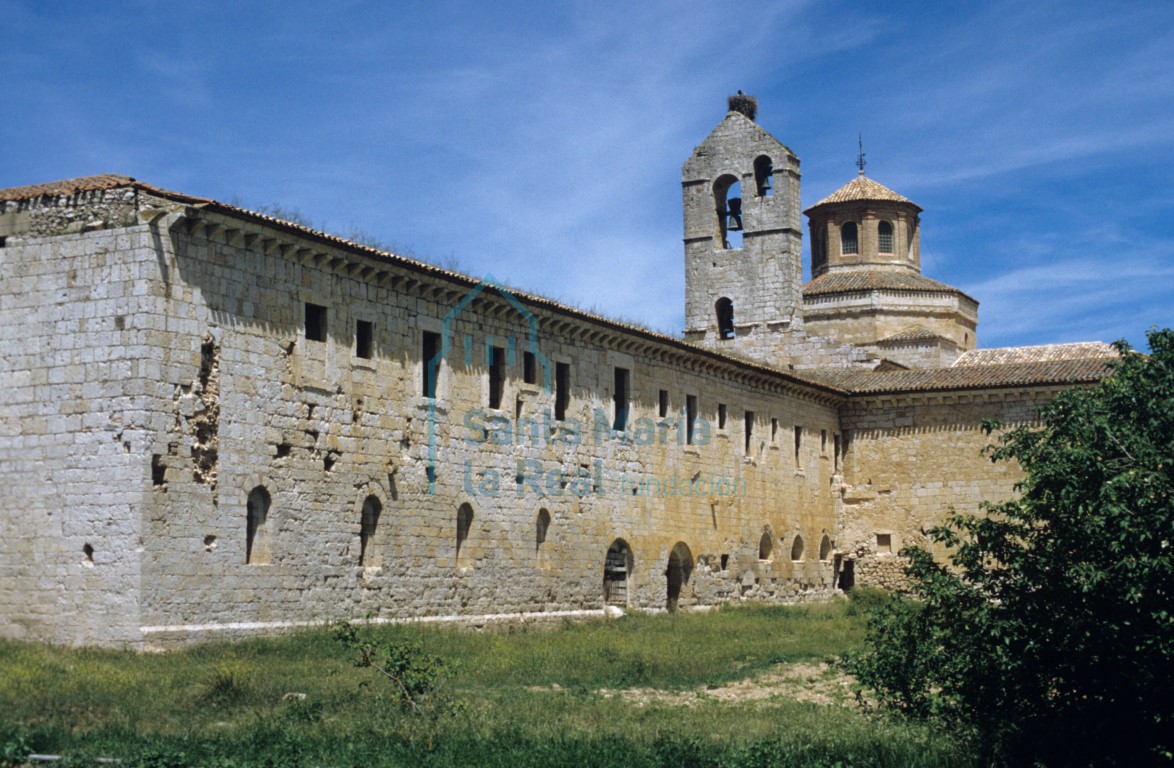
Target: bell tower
x: 743, y: 237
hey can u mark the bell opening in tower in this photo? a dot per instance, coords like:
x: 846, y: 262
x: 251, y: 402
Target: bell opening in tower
x: 727, y: 193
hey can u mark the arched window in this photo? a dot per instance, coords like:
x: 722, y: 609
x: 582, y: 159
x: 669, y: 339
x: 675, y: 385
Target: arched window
x: 680, y: 568
x: 725, y: 318
x: 884, y: 237
x: 763, y: 173
x: 848, y: 241
x: 369, y: 550
x: 825, y: 547
x: 256, y: 527
x: 464, y: 526
x: 765, y: 545
x: 819, y: 254
x: 797, y: 548
x: 541, y: 526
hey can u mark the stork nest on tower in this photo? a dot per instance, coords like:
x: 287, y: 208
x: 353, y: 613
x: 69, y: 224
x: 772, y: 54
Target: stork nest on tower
x: 747, y: 105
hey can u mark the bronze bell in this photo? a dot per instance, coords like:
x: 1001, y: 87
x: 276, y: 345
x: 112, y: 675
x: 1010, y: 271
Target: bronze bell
x: 735, y: 214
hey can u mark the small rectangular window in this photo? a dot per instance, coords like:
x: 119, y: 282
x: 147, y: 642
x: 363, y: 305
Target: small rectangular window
x: 721, y: 415
x: 836, y: 452
x: 749, y: 430
x: 562, y: 390
x: 823, y: 442
x: 496, y: 375
x: 529, y: 368
x: 884, y: 543
x: 774, y: 430
x: 798, y: 445
x: 430, y: 359
x: 690, y: 417
x: 664, y: 403
x: 623, y: 380
x: 364, y: 339
x: 315, y: 322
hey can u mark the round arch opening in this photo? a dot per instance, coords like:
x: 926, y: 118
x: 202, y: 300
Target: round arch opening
x: 680, y: 568
x: 617, y: 573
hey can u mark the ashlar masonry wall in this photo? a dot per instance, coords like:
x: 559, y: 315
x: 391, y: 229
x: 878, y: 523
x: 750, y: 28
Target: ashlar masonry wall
x: 252, y: 411
x: 80, y: 327
x: 914, y: 459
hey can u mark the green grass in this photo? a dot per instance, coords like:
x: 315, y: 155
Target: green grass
x: 531, y: 698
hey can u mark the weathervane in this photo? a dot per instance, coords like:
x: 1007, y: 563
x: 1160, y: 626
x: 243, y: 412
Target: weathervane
x: 860, y: 161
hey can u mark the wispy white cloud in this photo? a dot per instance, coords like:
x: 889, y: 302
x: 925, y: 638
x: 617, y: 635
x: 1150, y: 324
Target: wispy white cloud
x: 543, y: 143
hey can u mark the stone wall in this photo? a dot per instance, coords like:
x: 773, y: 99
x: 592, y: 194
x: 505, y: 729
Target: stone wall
x: 913, y: 460
x: 80, y: 331
x: 195, y: 441
x: 761, y: 276
x: 162, y: 373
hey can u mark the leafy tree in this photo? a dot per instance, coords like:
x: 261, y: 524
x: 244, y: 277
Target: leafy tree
x: 1050, y: 640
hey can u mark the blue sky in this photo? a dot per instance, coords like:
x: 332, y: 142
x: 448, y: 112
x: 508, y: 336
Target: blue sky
x: 542, y: 143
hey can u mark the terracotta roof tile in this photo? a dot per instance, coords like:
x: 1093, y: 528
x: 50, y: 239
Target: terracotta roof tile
x: 913, y: 333
x: 1043, y: 353
x: 1063, y: 372
x: 862, y: 280
x: 67, y: 187
x: 111, y: 181
x: 863, y: 188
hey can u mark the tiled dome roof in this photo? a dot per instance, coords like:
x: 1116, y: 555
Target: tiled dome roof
x: 860, y: 280
x: 863, y: 188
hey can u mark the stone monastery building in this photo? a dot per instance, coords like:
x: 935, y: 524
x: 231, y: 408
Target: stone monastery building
x: 214, y: 422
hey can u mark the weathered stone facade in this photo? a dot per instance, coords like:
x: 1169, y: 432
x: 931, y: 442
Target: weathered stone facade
x: 217, y: 422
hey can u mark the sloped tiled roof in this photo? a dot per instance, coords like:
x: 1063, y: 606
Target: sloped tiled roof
x: 112, y: 181
x: 860, y: 280
x: 863, y: 188
x: 67, y: 187
x: 1063, y: 372
x: 1044, y: 353
x: 982, y: 374
x: 912, y: 333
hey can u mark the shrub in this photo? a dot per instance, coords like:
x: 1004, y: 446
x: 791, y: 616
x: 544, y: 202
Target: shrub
x: 1050, y: 640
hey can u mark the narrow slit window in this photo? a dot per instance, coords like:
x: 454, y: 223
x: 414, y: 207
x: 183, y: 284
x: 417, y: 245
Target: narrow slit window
x: 496, y: 376
x: 798, y: 445
x: 663, y: 410
x: 364, y: 339
x: 748, y: 423
x: 430, y: 354
x: 256, y: 527
x: 690, y: 417
x: 464, y: 529
x: 721, y: 415
x: 529, y: 368
x: 562, y: 390
x: 369, y: 553
x: 623, y: 381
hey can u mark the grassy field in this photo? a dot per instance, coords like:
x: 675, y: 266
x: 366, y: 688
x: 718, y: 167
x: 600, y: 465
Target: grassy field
x: 702, y: 689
